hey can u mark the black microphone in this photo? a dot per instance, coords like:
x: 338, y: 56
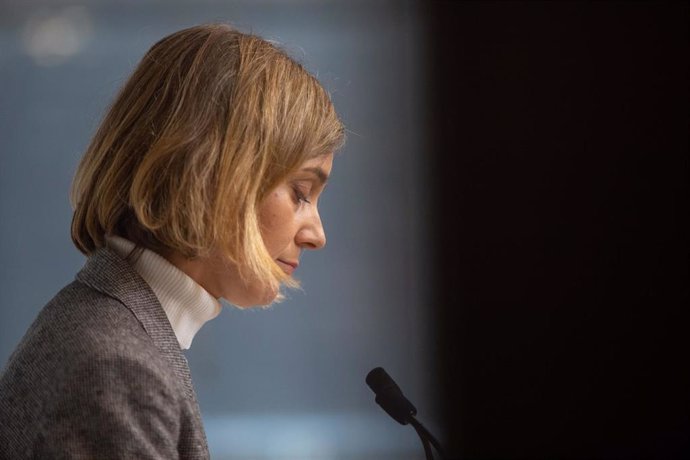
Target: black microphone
x: 389, y: 396
x: 391, y: 399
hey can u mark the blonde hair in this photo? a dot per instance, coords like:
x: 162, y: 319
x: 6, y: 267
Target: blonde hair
x: 209, y: 122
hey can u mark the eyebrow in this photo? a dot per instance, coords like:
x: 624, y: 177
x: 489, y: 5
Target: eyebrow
x: 319, y: 173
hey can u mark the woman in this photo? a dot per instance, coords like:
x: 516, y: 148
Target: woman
x: 201, y: 183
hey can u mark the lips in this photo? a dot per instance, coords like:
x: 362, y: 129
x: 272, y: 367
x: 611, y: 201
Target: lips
x: 287, y: 266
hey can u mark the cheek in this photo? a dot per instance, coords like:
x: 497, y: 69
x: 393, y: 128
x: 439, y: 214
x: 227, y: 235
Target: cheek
x: 277, y: 219
x: 270, y: 215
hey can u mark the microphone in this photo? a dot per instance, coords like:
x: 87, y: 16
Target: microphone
x: 389, y: 396
x: 391, y: 399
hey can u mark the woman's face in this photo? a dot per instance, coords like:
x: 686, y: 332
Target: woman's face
x: 290, y: 222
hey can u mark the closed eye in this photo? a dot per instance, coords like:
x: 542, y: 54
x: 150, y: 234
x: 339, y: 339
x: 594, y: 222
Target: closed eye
x: 300, y: 195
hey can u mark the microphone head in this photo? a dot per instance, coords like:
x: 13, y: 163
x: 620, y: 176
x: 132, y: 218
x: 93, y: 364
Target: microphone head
x: 389, y: 396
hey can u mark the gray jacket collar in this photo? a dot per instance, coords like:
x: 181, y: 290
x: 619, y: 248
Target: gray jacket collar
x: 108, y: 273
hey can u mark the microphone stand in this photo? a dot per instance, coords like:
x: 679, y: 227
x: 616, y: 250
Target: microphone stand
x: 425, y: 442
x: 426, y: 437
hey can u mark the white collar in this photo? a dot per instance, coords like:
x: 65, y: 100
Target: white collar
x: 186, y: 304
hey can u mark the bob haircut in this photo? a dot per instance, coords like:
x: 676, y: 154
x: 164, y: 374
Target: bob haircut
x: 210, y: 121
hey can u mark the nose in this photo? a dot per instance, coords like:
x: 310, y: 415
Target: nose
x: 311, y: 234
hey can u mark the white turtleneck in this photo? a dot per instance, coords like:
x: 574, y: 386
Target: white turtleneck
x: 186, y: 304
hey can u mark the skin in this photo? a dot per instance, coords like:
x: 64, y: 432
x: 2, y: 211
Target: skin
x: 290, y: 222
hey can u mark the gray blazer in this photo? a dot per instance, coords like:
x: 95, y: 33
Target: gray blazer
x: 100, y: 374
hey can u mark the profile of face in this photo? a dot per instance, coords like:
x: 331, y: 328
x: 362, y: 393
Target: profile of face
x: 290, y: 222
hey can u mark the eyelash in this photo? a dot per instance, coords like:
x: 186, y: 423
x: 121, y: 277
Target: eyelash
x: 301, y: 197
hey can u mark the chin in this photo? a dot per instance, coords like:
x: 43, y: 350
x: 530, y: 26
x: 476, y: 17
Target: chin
x: 258, y: 298
x: 270, y: 297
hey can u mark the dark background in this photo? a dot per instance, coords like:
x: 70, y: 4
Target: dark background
x: 562, y: 162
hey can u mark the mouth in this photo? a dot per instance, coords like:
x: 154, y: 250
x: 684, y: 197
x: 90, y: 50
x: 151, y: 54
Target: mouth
x: 288, y: 267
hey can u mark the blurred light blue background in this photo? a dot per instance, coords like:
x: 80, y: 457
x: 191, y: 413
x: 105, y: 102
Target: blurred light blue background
x: 288, y: 381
